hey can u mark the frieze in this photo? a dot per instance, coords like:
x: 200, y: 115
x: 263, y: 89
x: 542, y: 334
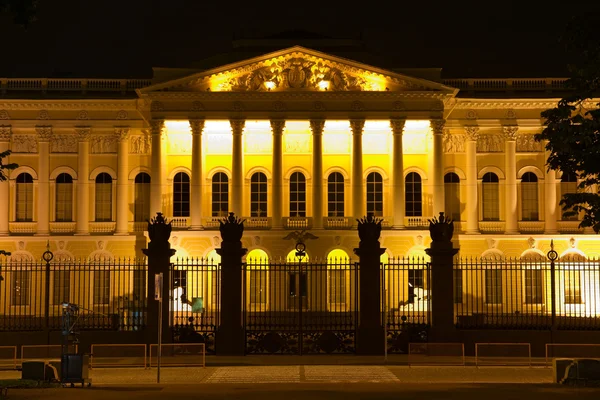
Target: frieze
x: 4, y: 114
x: 103, y: 144
x: 63, y: 144
x: 140, y: 144
x: 490, y: 143
x: 23, y: 143
x: 454, y: 143
x: 527, y: 143
x: 5, y: 131
x: 495, y: 105
x: 122, y: 114
x: 44, y: 132
x: 83, y: 114
x: 298, y: 95
x: 43, y: 114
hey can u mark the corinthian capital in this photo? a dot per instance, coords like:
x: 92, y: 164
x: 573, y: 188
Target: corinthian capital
x: 237, y: 125
x: 317, y: 126
x: 197, y: 126
x: 5, y: 131
x: 122, y: 133
x: 157, y: 126
x: 83, y: 133
x: 277, y: 126
x: 44, y: 132
x: 357, y: 126
x: 397, y: 125
x: 510, y: 132
x: 437, y: 126
x: 472, y: 132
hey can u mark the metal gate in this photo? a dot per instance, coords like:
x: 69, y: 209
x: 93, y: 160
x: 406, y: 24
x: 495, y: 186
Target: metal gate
x: 300, y: 307
x: 194, y: 302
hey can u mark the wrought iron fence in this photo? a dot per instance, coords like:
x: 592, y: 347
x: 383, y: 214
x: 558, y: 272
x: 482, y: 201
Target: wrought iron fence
x: 527, y: 294
x: 406, y: 293
x: 110, y: 294
x: 300, y: 307
x: 195, y: 301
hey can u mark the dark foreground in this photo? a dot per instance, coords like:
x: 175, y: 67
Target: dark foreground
x: 320, y: 391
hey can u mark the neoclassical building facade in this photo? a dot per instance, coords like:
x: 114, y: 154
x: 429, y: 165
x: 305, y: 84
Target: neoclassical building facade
x: 291, y: 140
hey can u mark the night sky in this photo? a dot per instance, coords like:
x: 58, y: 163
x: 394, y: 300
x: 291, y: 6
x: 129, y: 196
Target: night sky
x: 107, y: 38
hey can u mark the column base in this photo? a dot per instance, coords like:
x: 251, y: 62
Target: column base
x: 196, y: 228
x: 398, y: 227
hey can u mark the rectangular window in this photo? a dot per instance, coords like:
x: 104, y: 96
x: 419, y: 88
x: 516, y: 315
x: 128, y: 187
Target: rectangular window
x: 458, y: 286
x: 220, y: 196
x: 142, y: 202
x: 490, y: 201
x: 573, y: 287
x: 103, y: 202
x: 61, y: 287
x: 64, y: 202
x: 533, y: 286
x: 24, y: 202
x: 452, y: 200
x: 493, y: 286
x: 101, y: 287
x: 335, y: 197
x: 529, y: 198
x: 21, y: 281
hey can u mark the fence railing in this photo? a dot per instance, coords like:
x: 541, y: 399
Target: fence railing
x: 109, y: 294
x: 527, y: 294
x: 195, y: 300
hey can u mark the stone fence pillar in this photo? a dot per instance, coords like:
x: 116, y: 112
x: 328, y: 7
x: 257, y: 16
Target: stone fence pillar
x: 159, y: 253
x: 370, y: 335
x: 442, y: 255
x: 230, y: 338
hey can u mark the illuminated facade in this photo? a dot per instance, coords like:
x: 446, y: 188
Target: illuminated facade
x: 291, y: 140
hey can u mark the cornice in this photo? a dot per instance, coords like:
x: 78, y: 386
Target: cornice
x: 491, y: 104
x: 130, y: 104
x: 299, y: 95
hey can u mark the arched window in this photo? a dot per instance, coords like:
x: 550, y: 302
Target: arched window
x: 490, y: 197
x: 452, y: 195
x: 335, y: 195
x: 414, y: 195
x: 103, y: 197
x: 529, y: 197
x: 338, y: 281
x: 181, y: 195
x: 141, y: 205
x: 64, y: 198
x: 258, y: 195
x: 220, y: 195
x: 568, y: 184
x: 257, y: 280
x: 375, y: 194
x: 297, y: 195
x: 24, y: 198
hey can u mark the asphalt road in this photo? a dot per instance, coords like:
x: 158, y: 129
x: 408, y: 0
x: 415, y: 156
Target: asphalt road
x: 293, y: 391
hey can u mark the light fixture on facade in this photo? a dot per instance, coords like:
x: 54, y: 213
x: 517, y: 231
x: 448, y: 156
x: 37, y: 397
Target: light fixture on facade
x: 323, y: 85
x: 270, y: 85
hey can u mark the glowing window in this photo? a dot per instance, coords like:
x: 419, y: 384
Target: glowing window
x: 64, y: 198
x: 258, y: 195
x: 24, y: 203
x: 335, y: 195
x: 181, y: 195
x: 338, y: 277
x: 220, y: 195
x: 141, y: 202
x: 257, y: 277
x: 297, y: 195
x: 375, y: 194
x: 413, y: 193
x: 103, y: 197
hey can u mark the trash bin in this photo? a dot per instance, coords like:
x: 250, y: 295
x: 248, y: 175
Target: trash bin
x: 75, y: 369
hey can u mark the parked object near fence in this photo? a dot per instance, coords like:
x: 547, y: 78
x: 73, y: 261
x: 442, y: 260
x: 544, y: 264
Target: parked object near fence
x: 8, y: 357
x: 571, y: 350
x: 502, y: 354
x: 118, y: 355
x: 436, y: 354
x: 178, y: 355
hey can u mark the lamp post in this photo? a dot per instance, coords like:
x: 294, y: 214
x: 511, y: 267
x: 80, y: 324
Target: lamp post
x: 553, y: 256
x: 47, y: 256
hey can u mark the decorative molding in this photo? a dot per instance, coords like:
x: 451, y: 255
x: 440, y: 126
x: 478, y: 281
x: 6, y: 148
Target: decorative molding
x: 472, y: 132
x: 237, y: 126
x: 318, y: 106
x: 157, y: 106
x: 157, y: 126
x: 397, y: 125
x: 83, y: 133
x: 471, y: 114
x: 197, y: 106
x: 527, y: 143
x: 453, y: 143
x: 197, y: 126
x: 437, y: 126
x: 5, y: 132
x: 43, y: 114
x: 67, y: 105
x: 4, y: 114
x: 63, y: 144
x: 44, y: 132
x: 22, y: 143
x: 295, y: 95
x: 510, y: 114
x: 121, y: 133
x: 510, y: 132
x: 490, y: 143
x: 504, y: 105
x: 238, y: 106
x: 357, y: 106
x: 317, y: 126
x: 279, y: 106
x: 122, y: 114
x: 357, y: 126
x: 103, y: 144
x: 398, y: 106
x: 277, y: 126
x: 83, y: 114
x: 140, y: 144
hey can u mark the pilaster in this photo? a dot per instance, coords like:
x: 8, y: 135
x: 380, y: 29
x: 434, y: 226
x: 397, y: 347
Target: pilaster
x: 44, y: 133
x: 472, y: 134
x: 122, y: 135
x: 83, y: 180
x: 510, y: 152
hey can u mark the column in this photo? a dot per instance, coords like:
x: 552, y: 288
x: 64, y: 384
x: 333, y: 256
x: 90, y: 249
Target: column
x: 316, y: 126
x: 358, y: 199
x: 5, y: 132
x: 43, y: 191
x: 437, y: 127
x: 551, y: 200
x: 277, y: 126
x: 156, y: 170
x: 471, y: 135
x: 237, y: 166
x: 397, y: 125
x: 83, y: 180
x: 122, y: 134
x: 510, y: 156
x: 197, y: 126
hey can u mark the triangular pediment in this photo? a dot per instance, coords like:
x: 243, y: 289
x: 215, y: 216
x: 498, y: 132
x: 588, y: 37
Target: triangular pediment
x: 298, y: 69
